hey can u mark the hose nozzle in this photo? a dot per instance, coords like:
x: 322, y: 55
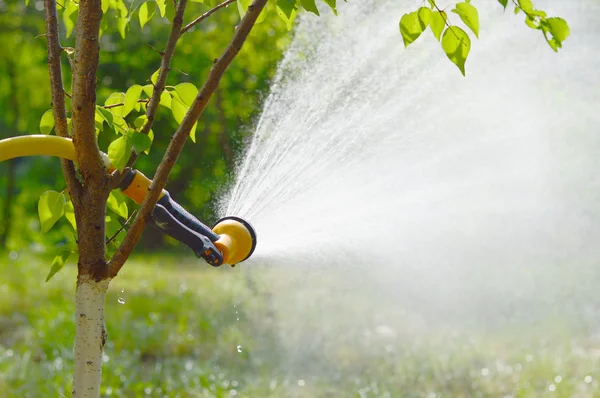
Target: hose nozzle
x: 237, y: 239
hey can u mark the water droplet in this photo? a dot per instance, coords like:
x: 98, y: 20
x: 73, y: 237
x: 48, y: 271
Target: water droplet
x: 239, y: 348
x: 558, y: 379
x: 121, y: 300
x: 588, y: 379
x: 552, y: 387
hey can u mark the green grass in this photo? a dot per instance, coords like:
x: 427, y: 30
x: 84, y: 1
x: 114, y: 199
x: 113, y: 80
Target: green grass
x: 178, y: 331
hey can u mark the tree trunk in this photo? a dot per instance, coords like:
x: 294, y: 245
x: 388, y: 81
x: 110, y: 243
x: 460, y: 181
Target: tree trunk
x: 92, y: 283
x: 91, y: 336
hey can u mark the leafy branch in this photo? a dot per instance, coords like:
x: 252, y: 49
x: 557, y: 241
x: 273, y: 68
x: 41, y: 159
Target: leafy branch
x: 458, y: 44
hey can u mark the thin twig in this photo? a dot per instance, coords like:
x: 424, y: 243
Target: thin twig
x: 161, y: 53
x: 58, y: 92
x: 206, y: 15
x: 181, y: 135
x: 123, y: 104
x: 445, y: 19
x: 165, y: 65
x: 122, y: 227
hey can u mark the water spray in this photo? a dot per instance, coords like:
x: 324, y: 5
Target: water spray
x: 230, y: 241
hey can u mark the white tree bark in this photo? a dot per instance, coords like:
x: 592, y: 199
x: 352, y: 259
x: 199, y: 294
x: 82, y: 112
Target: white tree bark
x: 90, y: 337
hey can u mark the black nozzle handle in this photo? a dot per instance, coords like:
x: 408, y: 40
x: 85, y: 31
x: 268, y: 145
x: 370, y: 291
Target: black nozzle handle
x: 186, y: 218
x: 202, y: 246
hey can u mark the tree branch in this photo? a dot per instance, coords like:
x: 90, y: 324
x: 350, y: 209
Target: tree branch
x: 165, y: 66
x: 206, y: 15
x: 182, y: 134
x: 85, y: 63
x: 58, y: 93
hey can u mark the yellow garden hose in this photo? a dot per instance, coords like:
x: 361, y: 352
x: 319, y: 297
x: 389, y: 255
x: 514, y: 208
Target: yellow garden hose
x: 34, y: 145
x: 233, y: 237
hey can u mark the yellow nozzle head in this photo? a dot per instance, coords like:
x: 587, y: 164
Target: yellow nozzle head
x: 237, y: 239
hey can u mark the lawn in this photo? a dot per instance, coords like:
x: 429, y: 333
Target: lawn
x: 179, y: 328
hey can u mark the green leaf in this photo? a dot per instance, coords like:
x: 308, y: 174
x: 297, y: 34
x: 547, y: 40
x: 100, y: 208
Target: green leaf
x: 533, y: 23
x: 559, y: 28
x: 116, y: 203
x: 122, y: 25
x: 70, y: 16
x: 288, y: 19
x: 193, y: 132
x: 554, y: 44
x: 287, y: 7
x: 47, y: 122
x: 140, y: 121
x: 70, y: 214
x: 148, y: 90
x: 115, y: 99
x: 411, y: 27
x: 131, y: 98
x: 151, y: 135
x: 310, y: 5
x: 469, y: 15
x: 424, y: 16
x: 105, y: 116
x: 120, y: 124
x: 154, y: 77
x: 105, y: 6
x: 141, y: 142
x: 162, y: 7
x: 187, y: 93
x: 118, y: 152
x: 456, y: 45
x: 332, y: 5
x: 178, y: 108
x: 146, y: 12
x: 51, y: 207
x: 165, y: 99
x: 59, y: 262
x: 504, y: 3
x: 438, y: 23
x: 526, y: 5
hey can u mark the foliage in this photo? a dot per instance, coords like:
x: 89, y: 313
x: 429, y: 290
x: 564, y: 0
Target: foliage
x: 456, y: 42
